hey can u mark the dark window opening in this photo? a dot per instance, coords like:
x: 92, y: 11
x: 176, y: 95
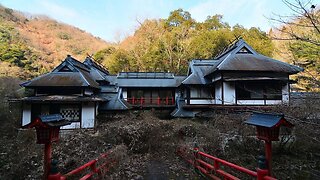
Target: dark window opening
x: 259, y: 90
x: 203, y: 92
x: 151, y: 96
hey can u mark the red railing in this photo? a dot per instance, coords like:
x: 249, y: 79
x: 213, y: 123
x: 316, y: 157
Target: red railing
x: 151, y: 101
x: 94, y: 170
x: 211, y: 166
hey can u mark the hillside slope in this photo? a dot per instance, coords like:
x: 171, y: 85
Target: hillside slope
x: 46, y: 40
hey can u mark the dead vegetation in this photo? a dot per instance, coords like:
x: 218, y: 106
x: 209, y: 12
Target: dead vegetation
x: 145, y: 145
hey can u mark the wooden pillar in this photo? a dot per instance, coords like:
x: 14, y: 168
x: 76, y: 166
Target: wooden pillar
x: 47, y: 159
x: 268, y: 149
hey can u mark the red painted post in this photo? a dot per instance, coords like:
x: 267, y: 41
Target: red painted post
x: 141, y: 101
x: 54, y: 172
x: 167, y: 100
x: 158, y: 100
x: 133, y: 100
x: 47, y: 159
x: 268, y: 149
x: 216, y: 165
x: 261, y: 173
x: 57, y: 176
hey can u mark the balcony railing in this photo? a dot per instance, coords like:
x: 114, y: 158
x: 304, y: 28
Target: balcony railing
x: 142, y: 101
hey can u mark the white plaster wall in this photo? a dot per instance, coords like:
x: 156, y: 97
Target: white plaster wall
x: 88, y: 115
x: 202, y: 101
x: 250, y: 102
x: 229, y: 93
x: 74, y: 125
x: 218, y: 93
x: 26, y: 114
x: 285, y: 94
x: 124, y: 93
x: 271, y: 102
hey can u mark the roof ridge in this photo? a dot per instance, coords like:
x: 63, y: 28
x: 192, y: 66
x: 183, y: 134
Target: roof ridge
x: 232, y: 45
x: 77, y: 63
x: 96, y: 64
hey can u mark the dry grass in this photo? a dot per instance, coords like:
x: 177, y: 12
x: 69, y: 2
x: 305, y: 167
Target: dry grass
x: 145, y: 146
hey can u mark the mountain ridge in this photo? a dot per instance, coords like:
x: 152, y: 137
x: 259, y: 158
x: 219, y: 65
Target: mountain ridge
x: 46, y: 41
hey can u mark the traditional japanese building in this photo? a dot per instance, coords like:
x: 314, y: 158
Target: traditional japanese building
x: 70, y: 89
x: 238, y: 76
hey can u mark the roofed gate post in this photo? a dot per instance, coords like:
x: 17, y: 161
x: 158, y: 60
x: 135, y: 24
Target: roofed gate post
x: 47, y: 128
x: 268, y: 128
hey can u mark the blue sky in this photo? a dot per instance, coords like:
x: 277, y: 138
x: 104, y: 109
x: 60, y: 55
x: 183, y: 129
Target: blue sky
x: 114, y: 20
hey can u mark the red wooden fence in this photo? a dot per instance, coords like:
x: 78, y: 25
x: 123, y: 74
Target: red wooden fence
x: 95, y: 171
x: 210, y: 166
x: 151, y: 101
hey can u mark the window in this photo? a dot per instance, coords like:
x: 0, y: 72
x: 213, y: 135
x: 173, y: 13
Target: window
x: 259, y: 90
x: 150, y: 96
x: 70, y: 112
x: 135, y: 93
x: 202, y: 92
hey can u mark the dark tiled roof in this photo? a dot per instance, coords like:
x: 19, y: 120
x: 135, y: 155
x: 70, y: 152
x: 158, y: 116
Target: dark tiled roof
x: 199, y: 69
x: 267, y: 120
x: 233, y: 60
x: 62, y: 98
x: 77, y: 63
x: 89, y: 79
x: 250, y: 62
x: 91, y: 62
x: 79, y: 77
x: 96, y: 70
x: 57, y: 79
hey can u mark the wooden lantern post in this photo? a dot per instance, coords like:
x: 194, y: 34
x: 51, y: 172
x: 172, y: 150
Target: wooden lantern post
x: 47, y: 129
x: 268, y: 128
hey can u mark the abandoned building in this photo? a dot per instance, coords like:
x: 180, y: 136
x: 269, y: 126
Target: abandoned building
x: 238, y: 76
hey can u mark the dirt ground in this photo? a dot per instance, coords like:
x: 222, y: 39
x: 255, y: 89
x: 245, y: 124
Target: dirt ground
x: 144, y: 145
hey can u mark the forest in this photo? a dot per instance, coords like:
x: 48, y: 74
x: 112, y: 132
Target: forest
x: 159, y: 45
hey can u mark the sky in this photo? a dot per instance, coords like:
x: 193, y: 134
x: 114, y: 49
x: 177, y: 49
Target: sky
x: 113, y: 20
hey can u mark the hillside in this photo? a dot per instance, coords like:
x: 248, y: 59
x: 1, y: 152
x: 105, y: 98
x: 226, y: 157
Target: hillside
x: 44, y: 42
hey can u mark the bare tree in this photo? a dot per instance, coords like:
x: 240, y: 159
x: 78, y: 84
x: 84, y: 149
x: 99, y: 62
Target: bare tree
x: 301, y: 31
x: 305, y: 15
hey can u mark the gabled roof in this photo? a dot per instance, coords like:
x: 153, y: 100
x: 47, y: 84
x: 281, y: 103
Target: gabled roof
x: 242, y: 57
x: 197, y: 71
x: 238, y: 56
x: 58, y: 79
x: 73, y: 63
x: 249, y: 62
x: 78, y: 76
x: 97, y: 71
x: 268, y: 120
